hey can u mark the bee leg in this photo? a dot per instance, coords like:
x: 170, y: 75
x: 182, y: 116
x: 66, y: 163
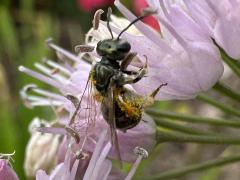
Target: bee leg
x: 149, y: 100
x: 130, y: 79
x: 127, y: 60
x: 154, y: 93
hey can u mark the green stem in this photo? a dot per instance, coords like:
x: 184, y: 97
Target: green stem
x: 177, y: 127
x: 193, y: 168
x: 219, y: 105
x: 230, y: 62
x: 164, y: 136
x: 227, y: 91
x: 157, y: 114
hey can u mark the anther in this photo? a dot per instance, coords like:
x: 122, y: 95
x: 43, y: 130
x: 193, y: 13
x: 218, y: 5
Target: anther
x: 61, y: 53
x: 49, y: 41
x: 55, y: 71
x: 81, y: 155
x: 148, y: 11
x: 73, y: 133
x: 44, y: 60
x: 29, y: 87
x: 145, y: 66
x: 73, y: 99
x: 96, y: 19
x: 83, y: 48
x: 141, y: 152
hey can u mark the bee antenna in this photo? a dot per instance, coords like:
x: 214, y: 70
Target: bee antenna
x: 145, y: 12
x: 108, y: 21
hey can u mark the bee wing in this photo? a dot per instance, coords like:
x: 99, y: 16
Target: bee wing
x: 112, y: 122
x: 89, y: 111
x: 78, y: 106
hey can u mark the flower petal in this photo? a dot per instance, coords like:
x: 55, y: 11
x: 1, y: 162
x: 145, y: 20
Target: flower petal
x: 6, y: 172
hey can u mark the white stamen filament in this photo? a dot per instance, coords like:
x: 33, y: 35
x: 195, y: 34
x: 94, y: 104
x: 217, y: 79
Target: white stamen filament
x: 164, y: 9
x: 50, y: 73
x: 83, y: 143
x: 36, y: 98
x: 95, y: 156
x: 109, y: 163
x: 143, y: 28
x: 211, y: 5
x: 2, y: 155
x: 45, y: 103
x: 56, y: 65
x: 52, y: 130
x: 142, y: 153
x: 88, y: 36
x: 74, y: 169
x: 175, y: 34
x: 100, y: 160
x: 41, y: 101
x: 33, y: 88
x: 62, y: 51
x: 49, y: 94
x: 41, y: 77
x: 24, y: 92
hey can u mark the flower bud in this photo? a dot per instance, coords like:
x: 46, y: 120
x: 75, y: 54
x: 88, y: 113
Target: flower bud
x: 6, y: 172
x: 41, y: 153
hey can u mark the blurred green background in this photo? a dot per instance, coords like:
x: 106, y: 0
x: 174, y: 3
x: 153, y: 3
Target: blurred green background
x: 24, y: 26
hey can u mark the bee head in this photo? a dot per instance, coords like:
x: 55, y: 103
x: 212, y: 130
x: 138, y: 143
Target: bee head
x: 114, y: 49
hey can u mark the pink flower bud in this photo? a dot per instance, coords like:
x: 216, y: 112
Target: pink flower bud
x: 87, y: 5
x: 6, y: 172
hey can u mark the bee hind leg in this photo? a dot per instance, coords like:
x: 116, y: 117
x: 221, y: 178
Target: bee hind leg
x: 155, y: 92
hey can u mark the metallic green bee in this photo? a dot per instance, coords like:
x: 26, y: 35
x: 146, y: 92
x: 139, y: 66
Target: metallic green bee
x: 121, y: 107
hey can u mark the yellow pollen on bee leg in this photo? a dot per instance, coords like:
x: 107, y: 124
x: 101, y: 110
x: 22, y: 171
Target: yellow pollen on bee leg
x: 130, y: 109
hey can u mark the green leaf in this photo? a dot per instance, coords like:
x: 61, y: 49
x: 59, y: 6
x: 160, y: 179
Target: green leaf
x: 180, y: 172
x: 158, y: 114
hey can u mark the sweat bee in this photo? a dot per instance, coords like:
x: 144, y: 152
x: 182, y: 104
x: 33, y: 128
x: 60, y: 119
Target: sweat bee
x: 121, y: 107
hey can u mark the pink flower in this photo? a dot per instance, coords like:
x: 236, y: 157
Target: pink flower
x: 188, y: 62
x: 98, y: 160
x: 74, y: 85
x: 98, y: 166
x: 6, y: 172
x: 221, y: 21
x: 83, y: 133
x: 93, y: 4
x: 183, y: 55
